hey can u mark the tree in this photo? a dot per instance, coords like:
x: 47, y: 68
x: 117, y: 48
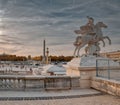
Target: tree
x: 29, y: 57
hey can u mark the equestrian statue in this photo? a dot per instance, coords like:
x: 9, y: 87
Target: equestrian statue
x: 90, y: 35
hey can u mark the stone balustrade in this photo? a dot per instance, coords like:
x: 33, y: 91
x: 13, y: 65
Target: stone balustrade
x: 18, y: 82
x: 105, y: 85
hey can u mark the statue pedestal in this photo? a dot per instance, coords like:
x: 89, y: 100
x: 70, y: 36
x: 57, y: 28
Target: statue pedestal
x: 85, y: 67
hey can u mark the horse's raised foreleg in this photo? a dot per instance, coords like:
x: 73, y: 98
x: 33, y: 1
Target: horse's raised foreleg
x: 108, y: 39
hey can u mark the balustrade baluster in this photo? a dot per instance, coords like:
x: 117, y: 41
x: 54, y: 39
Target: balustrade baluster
x: 24, y: 83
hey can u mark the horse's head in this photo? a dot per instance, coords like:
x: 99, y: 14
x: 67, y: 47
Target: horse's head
x: 101, y: 24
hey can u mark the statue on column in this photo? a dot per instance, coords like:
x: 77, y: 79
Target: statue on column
x: 90, y: 35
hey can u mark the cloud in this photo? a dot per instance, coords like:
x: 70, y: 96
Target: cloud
x: 9, y: 44
x: 9, y: 39
x: 27, y: 22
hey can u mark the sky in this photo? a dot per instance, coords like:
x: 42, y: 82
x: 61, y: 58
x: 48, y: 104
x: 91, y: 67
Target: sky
x: 24, y: 24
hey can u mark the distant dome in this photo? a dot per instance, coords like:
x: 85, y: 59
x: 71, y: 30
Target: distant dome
x: 3, y: 54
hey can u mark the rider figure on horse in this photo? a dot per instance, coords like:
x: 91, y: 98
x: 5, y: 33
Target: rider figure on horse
x: 90, y: 21
x: 87, y: 29
x: 91, y: 25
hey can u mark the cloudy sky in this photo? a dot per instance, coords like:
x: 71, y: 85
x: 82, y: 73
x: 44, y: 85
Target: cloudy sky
x: 25, y: 23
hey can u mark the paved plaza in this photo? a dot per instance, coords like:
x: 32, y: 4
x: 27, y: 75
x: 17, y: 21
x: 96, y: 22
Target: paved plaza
x: 31, y: 95
x: 89, y: 100
x: 66, y: 97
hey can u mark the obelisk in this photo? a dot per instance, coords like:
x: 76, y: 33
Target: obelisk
x: 44, y: 57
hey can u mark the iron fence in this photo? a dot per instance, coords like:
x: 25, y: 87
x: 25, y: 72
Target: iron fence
x: 107, y: 68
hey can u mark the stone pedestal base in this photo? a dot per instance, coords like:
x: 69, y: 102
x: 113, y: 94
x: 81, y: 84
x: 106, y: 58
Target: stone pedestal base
x: 84, y: 73
x: 85, y: 67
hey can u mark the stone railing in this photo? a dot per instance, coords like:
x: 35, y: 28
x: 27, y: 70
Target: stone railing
x: 105, y: 85
x: 17, y: 82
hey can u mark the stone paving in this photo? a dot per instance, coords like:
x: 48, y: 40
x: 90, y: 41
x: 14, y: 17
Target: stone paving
x: 67, y: 97
x: 6, y: 95
x: 89, y: 100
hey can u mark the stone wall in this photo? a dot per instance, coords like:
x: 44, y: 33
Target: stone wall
x: 85, y: 74
x: 105, y: 85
